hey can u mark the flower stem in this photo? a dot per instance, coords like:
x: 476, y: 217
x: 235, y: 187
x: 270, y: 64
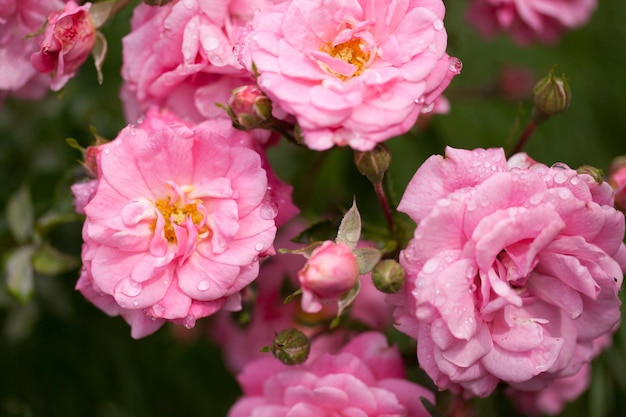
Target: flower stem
x: 384, y: 204
x: 521, y: 141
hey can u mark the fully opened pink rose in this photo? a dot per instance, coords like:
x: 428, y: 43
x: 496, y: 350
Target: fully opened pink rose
x: 513, y: 271
x: 176, y: 225
x: 68, y: 40
x: 351, y: 72
x: 530, y: 20
x: 365, y: 378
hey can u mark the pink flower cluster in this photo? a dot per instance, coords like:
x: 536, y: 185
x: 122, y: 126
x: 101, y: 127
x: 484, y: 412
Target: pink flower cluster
x: 351, y: 73
x: 513, y: 272
x: 530, y: 20
x: 365, y: 378
x: 177, y: 221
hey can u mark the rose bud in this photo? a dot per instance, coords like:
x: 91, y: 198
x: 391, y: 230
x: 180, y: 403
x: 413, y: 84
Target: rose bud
x: 551, y: 96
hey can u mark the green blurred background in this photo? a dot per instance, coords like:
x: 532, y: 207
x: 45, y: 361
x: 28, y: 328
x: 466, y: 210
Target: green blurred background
x: 60, y: 356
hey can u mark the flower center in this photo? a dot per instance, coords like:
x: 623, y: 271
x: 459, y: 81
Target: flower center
x: 177, y: 214
x: 350, y: 52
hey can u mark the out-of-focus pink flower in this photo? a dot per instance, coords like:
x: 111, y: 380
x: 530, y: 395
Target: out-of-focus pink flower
x: 330, y: 272
x: 617, y: 179
x: 18, y: 20
x: 352, y: 73
x: 176, y: 225
x: 530, y: 20
x: 515, y: 83
x: 513, y: 270
x: 180, y: 56
x: 365, y: 378
x: 68, y: 40
x: 82, y: 193
x: 269, y: 315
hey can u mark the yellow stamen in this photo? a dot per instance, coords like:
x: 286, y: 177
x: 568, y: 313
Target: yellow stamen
x: 350, y: 52
x: 178, y: 215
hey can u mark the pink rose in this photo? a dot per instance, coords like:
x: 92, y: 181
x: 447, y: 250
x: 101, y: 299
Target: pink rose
x: 530, y: 20
x: 180, y: 56
x: 18, y: 20
x: 270, y: 315
x: 365, y: 378
x: 330, y: 272
x: 617, y: 179
x: 177, y: 223
x: 513, y: 270
x: 349, y: 76
x: 69, y: 38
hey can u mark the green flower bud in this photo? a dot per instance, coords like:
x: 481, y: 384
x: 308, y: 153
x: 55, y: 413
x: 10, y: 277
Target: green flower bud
x: 249, y: 108
x: 551, y: 96
x: 596, y: 173
x: 388, y: 276
x: 291, y: 347
x: 373, y: 164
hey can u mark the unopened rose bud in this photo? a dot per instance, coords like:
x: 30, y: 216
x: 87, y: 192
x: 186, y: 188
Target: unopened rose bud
x: 157, y: 2
x: 373, y: 164
x: 551, y: 96
x: 330, y: 271
x: 388, y: 276
x: 291, y: 347
x: 249, y: 107
x: 593, y: 172
x: 69, y: 37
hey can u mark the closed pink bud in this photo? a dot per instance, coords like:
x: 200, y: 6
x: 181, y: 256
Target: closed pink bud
x: 331, y: 271
x: 68, y: 40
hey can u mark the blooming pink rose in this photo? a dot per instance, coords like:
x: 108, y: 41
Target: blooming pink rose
x: 513, y: 270
x: 270, y: 315
x: 68, y: 40
x: 530, y: 20
x: 180, y: 56
x: 365, y: 378
x: 176, y: 225
x: 352, y: 73
x: 18, y: 20
x: 617, y: 179
x: 330, y: 272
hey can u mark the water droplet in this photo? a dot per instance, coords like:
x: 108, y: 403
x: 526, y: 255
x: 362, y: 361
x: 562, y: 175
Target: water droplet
x: 259, y: 246
x: 158, y: 310
x: 560, y: 177
x: 455, y: 65
x: 574, y: 181
x: 536, y: 199
x: 428, y: 108
x: 135, y: 303
x: 216, y: 60
x: 430, y: 266
x: 470, y: 272
x: 190, y: 321
x: 564, y: 193
x: 432, y: 48
x: 107, y: 150
x: 438, y: 24
x: 203, y: 285
x: 419, y: 100
x: 443, y: 202
x: 268, y: 210
x: 130, y: 287
x: 540, y: 368
x: 264, y: 83
x: 236, y: 50
x: 470, y: 204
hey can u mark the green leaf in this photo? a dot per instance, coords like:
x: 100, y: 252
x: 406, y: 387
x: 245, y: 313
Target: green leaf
x: 49, y: 261
x: 430, y: 407
x: 305, y: 251
x: 20, y: 274
x: 366, y: 259
x: 99, y: 52
x: 21, y: 215
x: 345, y: 301
x: 101, y: 11
x: 349, y: 231
x: 293, y: 295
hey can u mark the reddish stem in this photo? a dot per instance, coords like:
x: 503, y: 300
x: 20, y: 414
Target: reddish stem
x: 521, y: 142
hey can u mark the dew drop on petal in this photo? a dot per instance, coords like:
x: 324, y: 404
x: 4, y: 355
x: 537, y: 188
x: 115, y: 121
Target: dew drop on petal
x: 190, y: 321
x: 431, y: 265
x: 158, y: 310
x: 135, y: 303
x: 130, y: 287
x: 204, y: 285
x: 268, y: 210
x: 443, y: 202
x: 470, y: 272
x: 560, y: 177
x: 455, y: 65
x: 419, y: 100
x: 574, y: 181
x: 428, y: 108
x: 259, y: 246
x: 107, y: 151
x: 438, y: 24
